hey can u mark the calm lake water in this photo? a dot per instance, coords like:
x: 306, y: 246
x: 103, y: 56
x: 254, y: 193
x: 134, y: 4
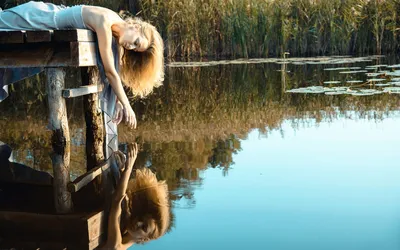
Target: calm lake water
x: 249, y: 165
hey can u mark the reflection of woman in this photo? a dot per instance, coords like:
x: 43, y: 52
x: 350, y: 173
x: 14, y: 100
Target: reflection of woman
x: 140, y: 208
x: 141, y: 47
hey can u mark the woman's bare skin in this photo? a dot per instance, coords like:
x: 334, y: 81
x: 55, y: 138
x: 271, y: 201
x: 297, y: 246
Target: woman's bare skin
x: 106, y: 24
x: 115, y: 240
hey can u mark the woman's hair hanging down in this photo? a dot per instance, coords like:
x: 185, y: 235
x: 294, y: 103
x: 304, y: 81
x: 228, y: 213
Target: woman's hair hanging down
x: 143, y: 71
x: 148, y: 199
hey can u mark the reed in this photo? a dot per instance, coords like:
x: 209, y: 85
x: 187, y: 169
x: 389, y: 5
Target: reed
x: 259, y: 28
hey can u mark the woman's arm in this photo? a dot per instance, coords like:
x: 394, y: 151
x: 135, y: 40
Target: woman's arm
x: 114, y: 237
x: 104, y: 38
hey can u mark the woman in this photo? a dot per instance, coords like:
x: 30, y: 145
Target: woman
x: 140, y: 45
x: 140, y: 209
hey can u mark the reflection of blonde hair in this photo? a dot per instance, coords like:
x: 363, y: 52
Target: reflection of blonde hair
x: 148, y: 200
x: 143, y: 71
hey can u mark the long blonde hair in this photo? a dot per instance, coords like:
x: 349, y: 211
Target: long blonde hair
x: 143, y: 71
x: 148, y: 199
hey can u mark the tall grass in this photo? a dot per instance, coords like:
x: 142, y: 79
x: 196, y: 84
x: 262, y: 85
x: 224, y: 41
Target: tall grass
x: 259, y: 28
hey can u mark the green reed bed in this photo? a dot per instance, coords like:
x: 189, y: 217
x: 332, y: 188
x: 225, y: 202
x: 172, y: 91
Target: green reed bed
x: 258, y: 28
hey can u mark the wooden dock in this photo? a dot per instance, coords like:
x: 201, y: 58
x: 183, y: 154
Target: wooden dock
x: 56, y: 51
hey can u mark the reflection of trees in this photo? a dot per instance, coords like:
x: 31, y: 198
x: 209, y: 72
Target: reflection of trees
x: 222, y: 153
x: 196, y: 120
x: 180, y: 163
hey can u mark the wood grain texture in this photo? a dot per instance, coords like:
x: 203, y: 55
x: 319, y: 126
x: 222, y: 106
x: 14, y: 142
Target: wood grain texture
x: 12, y: 37
x: 47, y: 231
x: 81, y: 91
x: 39, y: 36
x: 77, y: 35
x: 60, y: 140
x: 89, y: 176
x: 31, y: 36
x: 67, y: 54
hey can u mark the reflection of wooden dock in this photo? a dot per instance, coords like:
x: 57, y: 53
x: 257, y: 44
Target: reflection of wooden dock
x: 45, y: 231
x: 55, y: 51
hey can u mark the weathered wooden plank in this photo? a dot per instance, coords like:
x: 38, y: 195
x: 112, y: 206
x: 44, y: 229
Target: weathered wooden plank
x: 12, y: 37
x: 39, y: 36
x: 47, y: 231
x: 96, y: 225
x: 86, y: 178
x: 58, y: 122
x: 77, y: 35
x: 47, y: 55
x: 83, y: 90
x: 86, y: 53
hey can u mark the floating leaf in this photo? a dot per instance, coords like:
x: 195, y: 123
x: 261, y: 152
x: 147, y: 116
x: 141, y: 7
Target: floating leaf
x: 333, y: 69
x: 355, y: 81
x: 332, y: 82
x: 394, y: 73
x: 375, y: 74
x: 361, y: 94
x: 394, y: 90
x: 336, y: 93
x: 376, y: 66
x: 394, y: 66
x: 353, y: 72
x: 376, y: 80
x: 383, y: 84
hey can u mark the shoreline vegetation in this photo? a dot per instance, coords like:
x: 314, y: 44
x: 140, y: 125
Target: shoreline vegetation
x: 265, y: 28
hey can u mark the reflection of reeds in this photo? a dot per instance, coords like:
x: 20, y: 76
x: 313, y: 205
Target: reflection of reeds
x: 234, y: 99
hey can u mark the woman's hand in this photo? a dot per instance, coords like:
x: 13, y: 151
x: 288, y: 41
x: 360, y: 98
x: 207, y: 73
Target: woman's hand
x: 129, y: 115
x: 132, y: 155
x: 118, y: 113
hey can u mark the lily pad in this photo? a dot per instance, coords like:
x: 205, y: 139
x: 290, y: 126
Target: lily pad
x: 336, y: 93
x: 394, y: 66
x: 332, y: 82
x: 353, y: 72
x: 383, y: 84
x: 392, y: 90
x: 394, y: 73
x: 361, y: 94
x: 376, y: 66
x: 376, y: 80
x: 355, y: 81
x: 334, y: 69
x: 375, y: 74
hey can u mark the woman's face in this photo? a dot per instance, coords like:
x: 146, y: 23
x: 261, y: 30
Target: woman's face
x: 142, y: 230
x: 133, y: 38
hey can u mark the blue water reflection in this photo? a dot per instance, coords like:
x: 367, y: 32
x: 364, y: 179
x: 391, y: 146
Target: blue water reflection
x: 328, y: 185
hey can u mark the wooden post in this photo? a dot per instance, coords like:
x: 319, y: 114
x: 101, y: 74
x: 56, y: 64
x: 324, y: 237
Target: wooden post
x: 58, y: 123
x: 94, y: 120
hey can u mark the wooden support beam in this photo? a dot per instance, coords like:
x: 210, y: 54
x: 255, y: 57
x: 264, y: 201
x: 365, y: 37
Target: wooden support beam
x: 75, y: 54
x: 94, y: 119
x: 83, y: 90
x: 85, y: 53
x: 12, y: 37
x: 58, y: 122
x: 39, y: 36
x: 80, y: 35
x: 86, y: 178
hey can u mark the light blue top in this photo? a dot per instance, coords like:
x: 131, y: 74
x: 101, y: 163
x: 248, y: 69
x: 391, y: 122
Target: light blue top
x: 41, y: 16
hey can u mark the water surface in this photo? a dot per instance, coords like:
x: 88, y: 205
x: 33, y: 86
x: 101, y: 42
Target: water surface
x: 249, y: 165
